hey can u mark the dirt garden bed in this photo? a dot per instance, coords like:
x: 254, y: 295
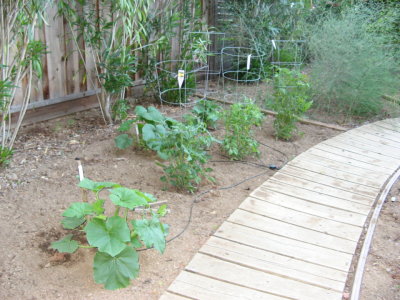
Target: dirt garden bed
x: 42, y: 181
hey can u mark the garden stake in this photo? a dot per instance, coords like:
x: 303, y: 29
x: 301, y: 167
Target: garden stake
x: 80, y: 171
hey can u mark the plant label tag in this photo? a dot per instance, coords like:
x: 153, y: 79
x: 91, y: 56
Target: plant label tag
x: 248, y: 61
x: 181, y: 77
x: 273, y: 44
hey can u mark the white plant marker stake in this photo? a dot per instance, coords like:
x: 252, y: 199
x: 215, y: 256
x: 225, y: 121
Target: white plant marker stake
x: 273, y: 44
x: 80, y: 170
x: 181, y: 77
x: 137, y: 132
x: 81, y: 177
x: 248, y: 61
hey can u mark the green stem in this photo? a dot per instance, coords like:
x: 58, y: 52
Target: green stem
x: 126, y: 214
x: 116, y: 213
x: 87, y: 247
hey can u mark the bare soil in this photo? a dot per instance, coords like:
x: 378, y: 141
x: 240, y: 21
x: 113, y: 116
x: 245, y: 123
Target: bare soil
x: 41, y: 182
x: 382, y: 271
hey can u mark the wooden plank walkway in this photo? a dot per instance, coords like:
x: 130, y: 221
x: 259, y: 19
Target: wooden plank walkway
x: 294, y: 237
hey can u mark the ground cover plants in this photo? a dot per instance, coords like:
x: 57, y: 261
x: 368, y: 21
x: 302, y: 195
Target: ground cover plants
x: 114, y: 237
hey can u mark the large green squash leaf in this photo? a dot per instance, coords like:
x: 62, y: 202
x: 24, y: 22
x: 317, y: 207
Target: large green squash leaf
x: 116, y: 272
x: 72, y: 222
x: 150, y: 115
x: 129, y: 198
x: 153, y: 135
x: 66, y: 244
x: 123, y: 141
x: 152, y: 232
x: 94, y: 186
x: 109, y: 236
x: 78, y: 210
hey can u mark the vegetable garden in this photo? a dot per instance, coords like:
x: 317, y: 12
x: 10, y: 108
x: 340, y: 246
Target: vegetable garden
x: 151, y: 175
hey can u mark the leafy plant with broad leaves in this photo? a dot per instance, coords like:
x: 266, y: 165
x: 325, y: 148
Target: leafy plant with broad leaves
x: 152, y: 126
x: 290, y: 101
x: 239, y: 121
x: 207, y: 111
x: 116, y: 238
x: 184, y: 149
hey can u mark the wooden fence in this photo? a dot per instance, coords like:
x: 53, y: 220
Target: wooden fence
x: 67, y: 85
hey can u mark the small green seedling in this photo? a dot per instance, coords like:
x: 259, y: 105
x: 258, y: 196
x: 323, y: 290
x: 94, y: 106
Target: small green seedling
x: 116, y: 238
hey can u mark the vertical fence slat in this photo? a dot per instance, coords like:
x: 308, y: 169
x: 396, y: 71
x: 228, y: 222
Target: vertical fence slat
x: 56, y: 55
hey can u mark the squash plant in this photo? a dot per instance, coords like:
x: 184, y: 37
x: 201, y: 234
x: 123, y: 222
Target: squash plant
x: 116, y: 238
x: 152, y: 126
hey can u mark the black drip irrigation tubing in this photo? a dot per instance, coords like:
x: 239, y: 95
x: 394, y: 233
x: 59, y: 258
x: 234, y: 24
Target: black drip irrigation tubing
x: 197, y: 197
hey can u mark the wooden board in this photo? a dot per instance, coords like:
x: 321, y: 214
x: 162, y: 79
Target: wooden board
x: 382, y: 140
x: 331, y: 164
x: 310, y: 232
x: 257, y: 280
x: 169, y: 296
x: 387, y: 124
x: 351, y: 165
x: 311, y: 207
x: 249, y: 217
x: 285, y: 246
x: 315, y: 197
x: 389, y: 136
x: 371, y: 161
x: 273, y: 263
x: 202, y: 287
x: 358, y: 150
x: 377, y: 148
x: 334, y: 173
x: 321, y: 188
x: 56, y: 55
x: 329, y: 181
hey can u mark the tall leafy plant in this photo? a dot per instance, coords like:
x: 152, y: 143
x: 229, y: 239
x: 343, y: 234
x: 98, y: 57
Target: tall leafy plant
x: 292, y: 92
x: 20, y: 57
x: 112, y: 33
x: 352, y: 65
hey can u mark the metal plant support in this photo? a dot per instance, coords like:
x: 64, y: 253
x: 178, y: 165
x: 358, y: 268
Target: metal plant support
x: 181, y: 84
x: 242, y: 69
x: 214, y: 49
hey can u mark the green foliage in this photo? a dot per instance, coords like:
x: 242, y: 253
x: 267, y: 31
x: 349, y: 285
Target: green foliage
x: 114, y: 237
x: 66, y: 244
x: 152, y: 126
x: 239, y: 121
x: 207, y: 111
x: 116, y: 271
x: 181, y: 145
x: 352, y: 66
x: 5, y: 156
x: 292, y: 91
x: 120, y: 109
x: 184, y: 148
